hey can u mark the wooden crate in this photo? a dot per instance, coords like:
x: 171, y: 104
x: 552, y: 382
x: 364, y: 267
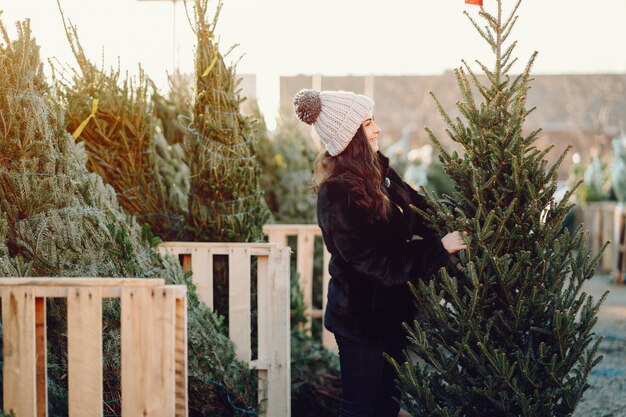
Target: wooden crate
x: 599, y: 219
x: 273, y: 363
x: 154, y: 345
x: 619, y: 245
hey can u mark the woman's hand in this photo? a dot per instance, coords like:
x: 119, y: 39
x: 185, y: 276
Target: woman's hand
x: 453, y: 242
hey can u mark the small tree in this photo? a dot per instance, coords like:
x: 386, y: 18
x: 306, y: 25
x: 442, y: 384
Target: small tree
x: 286, y: 158
x: 225, y: 200
x: 124, y: 141
x: 58, y: 219
x: 509, y: 332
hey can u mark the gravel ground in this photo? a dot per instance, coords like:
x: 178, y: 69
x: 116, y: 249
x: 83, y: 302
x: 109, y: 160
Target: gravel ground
x: 607, y: 395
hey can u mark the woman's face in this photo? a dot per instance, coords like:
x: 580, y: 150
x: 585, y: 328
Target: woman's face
x: 372, y: 131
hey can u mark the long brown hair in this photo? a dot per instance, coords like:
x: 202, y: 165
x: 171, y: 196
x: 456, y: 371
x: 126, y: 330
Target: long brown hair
x: 358, y: 168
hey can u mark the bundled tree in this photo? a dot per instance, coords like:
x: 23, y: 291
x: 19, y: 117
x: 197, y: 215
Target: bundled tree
x: 509, y: 333
x: 58, y: 219
x: 124, y: 141
x: 225, y: 200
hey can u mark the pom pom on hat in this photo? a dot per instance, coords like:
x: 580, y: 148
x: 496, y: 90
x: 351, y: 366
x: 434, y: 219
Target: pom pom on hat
x: 335, y: 115
x: 308, y: 105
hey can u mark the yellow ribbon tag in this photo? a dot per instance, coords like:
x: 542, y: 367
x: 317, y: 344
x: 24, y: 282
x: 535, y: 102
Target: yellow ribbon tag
x: 79, y: 129
x: 211, y: 65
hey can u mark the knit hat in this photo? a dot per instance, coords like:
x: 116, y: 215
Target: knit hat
x: 336, y: 115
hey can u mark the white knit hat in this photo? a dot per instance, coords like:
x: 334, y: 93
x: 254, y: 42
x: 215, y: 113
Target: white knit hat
x: 336, y: 115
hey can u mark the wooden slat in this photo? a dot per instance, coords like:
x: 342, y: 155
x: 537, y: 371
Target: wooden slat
x: 202, y: 269
x: 316, y: 313
x: 84, y: 351
x: 278, y: 237
x: 148, y: 352
x: 188, y: 246
x: 239, y: 329
x: 81, y: 282
x: 304, y: 266
x: 181, y: 357
x: 619, y: 232
x: 42, y: 357
x: 19, y: 350
x: 291, y: 229
x: 608, y: 210
x: 596, y: 227
x: 279, y: 373
x: 261, y: 388
x: 264, y: 287
x: 61, y: 292
x: 328, y: 339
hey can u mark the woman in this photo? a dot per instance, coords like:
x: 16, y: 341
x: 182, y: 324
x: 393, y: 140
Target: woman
x: 377, y: 245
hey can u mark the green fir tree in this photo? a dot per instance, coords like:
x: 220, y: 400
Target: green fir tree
x: 225, y: 199
x: 286, y: 158
x: 114, y: 118
x: 58, y: 219
x: 508, y: 332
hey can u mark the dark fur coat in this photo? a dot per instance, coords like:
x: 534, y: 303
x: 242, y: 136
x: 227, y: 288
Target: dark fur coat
x: 371, y: 262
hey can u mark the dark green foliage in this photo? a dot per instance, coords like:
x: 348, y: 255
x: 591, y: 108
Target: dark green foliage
x: 225, y: 199
x: 286, y: 159
x: 507, y: 332
x: 315, y: 379
x: 124, y: 141
x: 439, y: 183
x: 58, y: 219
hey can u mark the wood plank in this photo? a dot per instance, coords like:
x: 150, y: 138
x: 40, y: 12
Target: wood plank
x: 264, y: 287
x: 181, y: 356
x: 279, y: 237
x: 148, y: 352
x: 82, y: 282
x: 617, y: 274
x: 188, y: 246
x: 304, y: 266
x: 262, y: 391
x: 84, y: 351
x: 42, y: 356
x: 186, y: 262
x: 279, y: 373
x: 202, y: 274
x: 608, y: 210
x: 19, y: 350
x: 291, y: 229
x: 239, y: 328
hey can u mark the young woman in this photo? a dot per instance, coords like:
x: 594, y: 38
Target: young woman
x: 377, y: 245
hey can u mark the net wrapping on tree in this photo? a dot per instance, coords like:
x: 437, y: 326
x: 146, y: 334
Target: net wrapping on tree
x: 58, y: 219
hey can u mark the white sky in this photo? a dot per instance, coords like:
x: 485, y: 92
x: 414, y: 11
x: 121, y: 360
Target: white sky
x: 329, y: 37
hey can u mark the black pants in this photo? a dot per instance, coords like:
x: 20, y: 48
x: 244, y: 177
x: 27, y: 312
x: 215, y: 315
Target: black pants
x: 367, y: 379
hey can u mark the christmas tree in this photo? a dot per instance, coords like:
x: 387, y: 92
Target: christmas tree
x: 58, y: 219
x: 124, y: 141
x: 225, y: 201
x: 286, y: 158
x: 508, y: 331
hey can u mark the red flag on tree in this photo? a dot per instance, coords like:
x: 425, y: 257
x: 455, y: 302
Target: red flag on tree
x: 477, y: 2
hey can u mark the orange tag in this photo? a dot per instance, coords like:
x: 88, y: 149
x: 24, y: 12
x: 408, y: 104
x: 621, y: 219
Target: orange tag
x: 476, y: 2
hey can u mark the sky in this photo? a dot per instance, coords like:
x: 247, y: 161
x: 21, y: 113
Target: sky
x: 330, y: 37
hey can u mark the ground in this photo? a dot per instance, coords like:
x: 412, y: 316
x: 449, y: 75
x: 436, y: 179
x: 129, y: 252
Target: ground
x: 607, y: 395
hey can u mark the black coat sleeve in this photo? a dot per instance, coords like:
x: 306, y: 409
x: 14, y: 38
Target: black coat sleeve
x: 387, y: 263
